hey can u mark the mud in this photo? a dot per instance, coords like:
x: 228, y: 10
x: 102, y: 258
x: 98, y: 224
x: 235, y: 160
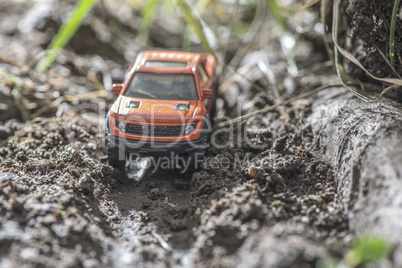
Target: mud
x: 369, y: 26
x: 267, y: 196
x: 55, y: 184
x: 65, y: 192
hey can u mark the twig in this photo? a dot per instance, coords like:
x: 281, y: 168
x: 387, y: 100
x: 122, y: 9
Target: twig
x: 9, y: 60
x: 240, y: 73
x: 314, y: 68
x: 308, y: 5
x: 166, y: 201
x: 162, y: 242
x: 387, y: 61
x: 58, y: 101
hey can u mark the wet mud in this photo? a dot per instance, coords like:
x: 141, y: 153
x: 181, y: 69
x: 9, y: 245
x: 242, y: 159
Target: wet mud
x: 56, y: 184
x: 267, y: 196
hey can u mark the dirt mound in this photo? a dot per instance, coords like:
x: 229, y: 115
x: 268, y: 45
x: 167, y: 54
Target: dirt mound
x: 48, y: 213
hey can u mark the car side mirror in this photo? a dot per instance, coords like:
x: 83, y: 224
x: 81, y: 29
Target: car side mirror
x: 208, y: 93
x: 117, y: 88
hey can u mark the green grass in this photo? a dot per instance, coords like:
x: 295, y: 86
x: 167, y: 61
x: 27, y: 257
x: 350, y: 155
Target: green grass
x: 366, y: 250
x: 278, y: 14
x: 11, y: 78
x: 147, y: 16
x: 369, y: 249
x: 195, y: 25
x: 392, y: 33
x: 83, y: 7
x: 198, y: 8
x: 66, y: 31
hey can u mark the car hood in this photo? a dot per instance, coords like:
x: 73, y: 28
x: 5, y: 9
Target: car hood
x: 151, y: 110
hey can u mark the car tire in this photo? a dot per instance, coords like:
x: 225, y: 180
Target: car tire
x: 197, y: 157
x: 113, y: 156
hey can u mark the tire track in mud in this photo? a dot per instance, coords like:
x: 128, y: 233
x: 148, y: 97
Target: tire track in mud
x: 164, y: 198
x: 151, y: 218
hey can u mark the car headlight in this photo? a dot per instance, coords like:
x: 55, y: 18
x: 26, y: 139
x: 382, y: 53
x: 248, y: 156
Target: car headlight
x: 188, y: 128
x: 121, y: 126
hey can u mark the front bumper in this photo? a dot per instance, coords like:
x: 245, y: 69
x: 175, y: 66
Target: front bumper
x: 154, y: 147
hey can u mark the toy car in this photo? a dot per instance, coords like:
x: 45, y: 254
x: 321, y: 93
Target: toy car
x: 165, y: 105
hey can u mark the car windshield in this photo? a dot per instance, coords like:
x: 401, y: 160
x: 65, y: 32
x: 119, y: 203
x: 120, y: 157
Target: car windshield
x: 162, y: 86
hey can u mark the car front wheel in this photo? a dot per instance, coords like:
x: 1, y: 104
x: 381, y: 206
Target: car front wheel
x: 113, y: 156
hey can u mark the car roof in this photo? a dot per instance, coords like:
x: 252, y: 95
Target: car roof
x: 191, y: 61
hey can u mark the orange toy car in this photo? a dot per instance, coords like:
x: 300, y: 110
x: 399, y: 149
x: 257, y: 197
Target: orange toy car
x: 165, y: 104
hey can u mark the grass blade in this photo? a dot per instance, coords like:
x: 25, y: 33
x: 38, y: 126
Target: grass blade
x: 323, y: 15
x: 349, y: 56
x: 387, y: 61
x: 196, y: 25
x: 308, y: 5
x: 199, y: 7
x: 187, y: 39
x: 366, y: 250
x: 392, y: 33
x: 147, y: 16
x: 66, y: 31
x: 278, y: 13
x: 17, y: 95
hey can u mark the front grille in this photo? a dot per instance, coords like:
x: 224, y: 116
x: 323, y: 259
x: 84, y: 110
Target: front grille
x: 154, y: 131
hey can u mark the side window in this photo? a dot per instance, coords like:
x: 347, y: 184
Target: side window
x: 203, y: 76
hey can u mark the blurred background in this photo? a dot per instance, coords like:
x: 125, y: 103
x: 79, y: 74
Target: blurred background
x: 272, y: 43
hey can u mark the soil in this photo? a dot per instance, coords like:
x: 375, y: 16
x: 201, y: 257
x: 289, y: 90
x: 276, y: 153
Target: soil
x: 369, y: 31
x: 276, y: 195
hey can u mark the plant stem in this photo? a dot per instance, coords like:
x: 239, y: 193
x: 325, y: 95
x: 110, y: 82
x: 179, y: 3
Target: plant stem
x: 66, y: 31
x: 392, y: 33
